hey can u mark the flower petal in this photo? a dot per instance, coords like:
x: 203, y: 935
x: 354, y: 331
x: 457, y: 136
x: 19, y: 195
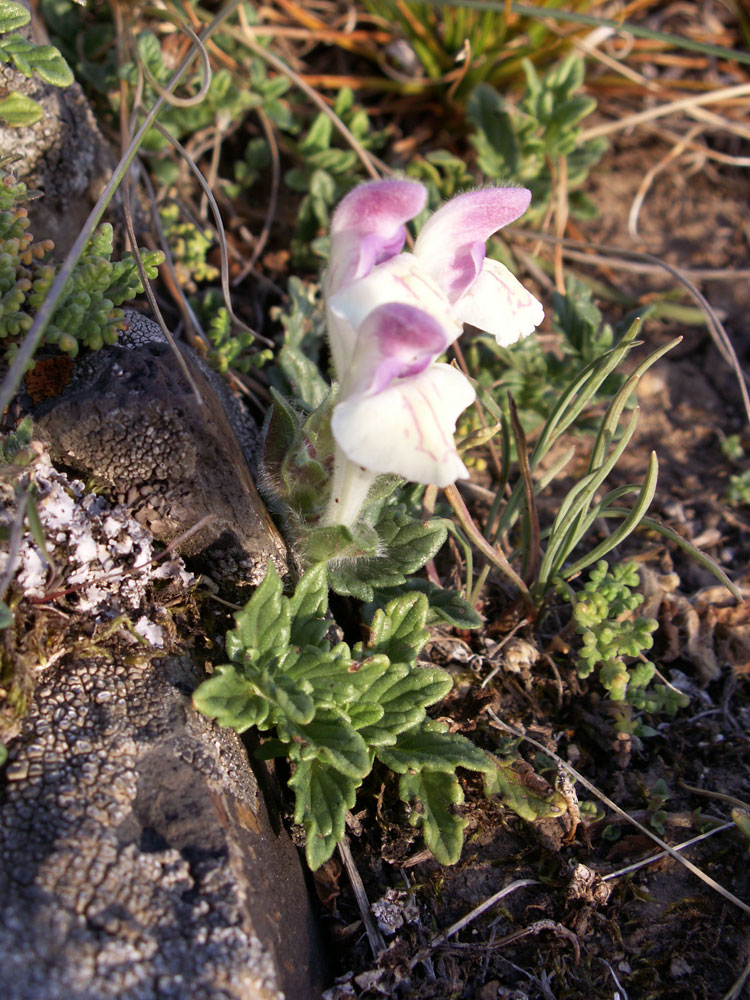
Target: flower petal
x: 368, y: 227
x: 407, y: 429
x: 402, y: 279
x: 395, y: 341
x: 451, y: 242
x: 498, y: 303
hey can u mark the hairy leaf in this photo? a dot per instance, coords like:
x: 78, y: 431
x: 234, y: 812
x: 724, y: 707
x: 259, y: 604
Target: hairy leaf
x: 322, y: 796
x: 331, y: 739
x: 327, y: 674
x: 432, y: 746
x: 308, y: 608
x: 399, y: 630
x: 404, y: 700
x: 434, y: 797
x: 231, y: 699
x: 264, y: 622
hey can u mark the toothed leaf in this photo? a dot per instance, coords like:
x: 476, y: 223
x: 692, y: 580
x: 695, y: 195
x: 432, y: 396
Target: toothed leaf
x: 434, y: 798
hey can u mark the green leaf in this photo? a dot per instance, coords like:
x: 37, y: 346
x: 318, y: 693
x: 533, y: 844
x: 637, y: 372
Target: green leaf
x: 304, y: 376
x: 365, y: 714
x: 523, y: 791
x: 327, y: 674
x: 308, y: 608
x: 448, y: 606
x: 404, y: 700
x: 366, y: 672
x: 445, y: 606
x: 264, y: 622
x: 434, y: 797
x: 19, y: 111
x: 405, y: 545
x: 296, y: 703
x: 322, y: 797
x: 336, y: 542
x: 311, y: 595
x: 12, y: 15
x: 231, y: 699
x: 280, y: 432
x: 6, y: 616
x: 399, y: 631
x: 42, y: 59
x: 331, y: 739
x: 432, y: 746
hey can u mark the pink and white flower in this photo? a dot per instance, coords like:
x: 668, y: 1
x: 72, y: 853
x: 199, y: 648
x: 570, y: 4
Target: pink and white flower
x: 392, y: 314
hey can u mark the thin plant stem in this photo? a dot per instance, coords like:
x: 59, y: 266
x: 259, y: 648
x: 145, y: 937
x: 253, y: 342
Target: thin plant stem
x: 495, y: 556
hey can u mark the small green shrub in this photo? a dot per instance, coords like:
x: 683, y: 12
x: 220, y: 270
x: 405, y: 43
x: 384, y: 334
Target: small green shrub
x: 613, y: 641
x: 89, y: 314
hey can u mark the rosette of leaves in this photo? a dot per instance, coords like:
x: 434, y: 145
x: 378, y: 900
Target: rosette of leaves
x: 27, y: 57
x: 335, y: 709
x: 89, y: 313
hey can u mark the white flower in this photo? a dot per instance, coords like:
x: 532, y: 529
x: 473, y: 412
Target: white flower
x: 392, y: 314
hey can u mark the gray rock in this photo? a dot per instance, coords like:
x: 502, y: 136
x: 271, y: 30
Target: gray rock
x: 137, y: 860
x: 130, y: 418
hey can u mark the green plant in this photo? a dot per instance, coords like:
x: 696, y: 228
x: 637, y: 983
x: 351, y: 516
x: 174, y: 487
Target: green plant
x: 738, y: 491
x: 88, y: 314
x: 336, y: 709
x: 189, y: 246
x: 27, y: 57
x: 326, y: 172
x: 526, y: 142
x: 461, y: 47
x: 613, y: 641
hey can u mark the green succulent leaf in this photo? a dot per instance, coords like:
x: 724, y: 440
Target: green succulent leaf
x: 12, y: 16
x: 434, y: 797
x: 29, y: 58
x: 19, y: 111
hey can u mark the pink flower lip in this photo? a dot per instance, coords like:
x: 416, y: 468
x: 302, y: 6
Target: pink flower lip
x: 406, y: 339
